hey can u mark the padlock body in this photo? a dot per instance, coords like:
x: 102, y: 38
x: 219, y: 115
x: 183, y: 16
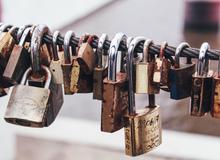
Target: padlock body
x: 28, y: 106
x: 215, y: 107
x: 144, y: 79
x: 164, y: 81
x: 86, y: 57
x: 67, y: 68
x: 56, y: 70
x: 114, y: 104
x: 98, y: 75
x: 45, y: 51
x: 81, y: 82
x: 180, y: 81
x: 201, y: 94
x: 157, y: 70
x: 143, y: 131
x: 18, y: 63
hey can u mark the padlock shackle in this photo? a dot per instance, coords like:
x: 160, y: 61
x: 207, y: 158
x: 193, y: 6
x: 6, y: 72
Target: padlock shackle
x: 113, y: 55
x: 178, y: 51
x: 129, y: 39
x: 36, y: 42
x: 203, y: 62
x: 5, y: 27
x: 101, y: 51
x: 21, y: 31
x: 66, y: 47
x: 146, y: 56
x: 162, y: 50
x: 28, y: 72
x: 24, y: 36
x: 129, y: 65
x: 56, y: 34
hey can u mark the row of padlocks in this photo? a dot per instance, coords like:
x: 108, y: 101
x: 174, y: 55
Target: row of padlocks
x: 39, y: 71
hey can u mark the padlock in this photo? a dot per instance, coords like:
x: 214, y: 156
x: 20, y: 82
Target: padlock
x: 101, y: 71
x: 31, y: 106
x: 202, y: 81
x: 81, y: 76
x: 142, y: 127
x: 55, y: 65
x: 166, y: 64
x: 86, y: 55
x: 215, y: 107
x: 19, y: 60
x: 180, y: 76
x: 115, y: 89
x: 144, y: 72
x: 67, y: 64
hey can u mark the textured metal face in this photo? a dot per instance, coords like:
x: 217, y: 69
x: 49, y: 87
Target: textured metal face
x: 143, y: 131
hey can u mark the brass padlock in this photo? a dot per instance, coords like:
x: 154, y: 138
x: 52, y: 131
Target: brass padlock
x: 19, y: 60
x: 142, y: 127
x: 144, y: 72
x: 180, y: 76
x: 202, y: 81
x: 82, y: 76
x: 55, y: 65
x: 215, y: 107
x: 100, y: 72
x: 115, y: 89
x: 86, y: 56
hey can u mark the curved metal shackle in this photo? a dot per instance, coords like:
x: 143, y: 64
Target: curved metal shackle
x: 56, y: 34
x: 178, y: 51
x: 24, y: 36
x: 4, y: 27
x: 66, y: 46
x: 21, y: 31
x: 100, y: 50
x: 129, y: 39
x: 146, y: 56
x: 28, y: 71
x: 162, y: 49
x: 203, y: 62
x: 130, y: 58
x: 113, y: 55
x: 36, y: 42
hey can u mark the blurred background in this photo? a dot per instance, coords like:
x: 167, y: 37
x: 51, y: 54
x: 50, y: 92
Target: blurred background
x: 76, y: 132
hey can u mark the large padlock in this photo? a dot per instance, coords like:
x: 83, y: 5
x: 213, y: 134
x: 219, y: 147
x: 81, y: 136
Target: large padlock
x: 19, y: 60
x: 55, y: 65
x: 144, y: 72
x: 31, y: 106
x: 101, y: 70
x: 180, y: 76
x: 215, y: 107
x: 81, y: 75
x: 115, y: 89
x: 142, y: 127
x: 202, y: 81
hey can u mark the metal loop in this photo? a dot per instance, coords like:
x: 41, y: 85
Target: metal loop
x: 100, y: 50
x: 178, y: 51
x: 66, y: 46
x: 21, y: 30
x: 146, y: 56
x: 203, y: 62
x: 113, y: 54
x: 24, y: 36
x: 56, y: 34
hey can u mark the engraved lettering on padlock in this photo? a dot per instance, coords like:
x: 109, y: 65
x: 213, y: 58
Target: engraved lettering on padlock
x: 180, y: 76
x: 143, y: 126
x: 202, y: 81
x: 115, y: 91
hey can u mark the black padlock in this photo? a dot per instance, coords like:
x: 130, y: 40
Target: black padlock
x: 180, y: 76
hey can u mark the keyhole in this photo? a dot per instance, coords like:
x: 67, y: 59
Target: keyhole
x: 53, y: 70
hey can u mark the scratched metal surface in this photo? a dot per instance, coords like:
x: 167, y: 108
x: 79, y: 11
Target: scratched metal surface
x: 159, y: 20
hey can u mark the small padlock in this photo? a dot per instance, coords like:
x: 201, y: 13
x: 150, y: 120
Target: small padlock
x: 86, y: 56
x: 101, y: 71
x: 215, y: 107
x: 202, y: 81
x: 142, y: 127
x: 81, y: 76
x: 19, y: 60
x: 180, y: 76
x: 115, y: 89
x: 144, y: 72
x: 55, y: 65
